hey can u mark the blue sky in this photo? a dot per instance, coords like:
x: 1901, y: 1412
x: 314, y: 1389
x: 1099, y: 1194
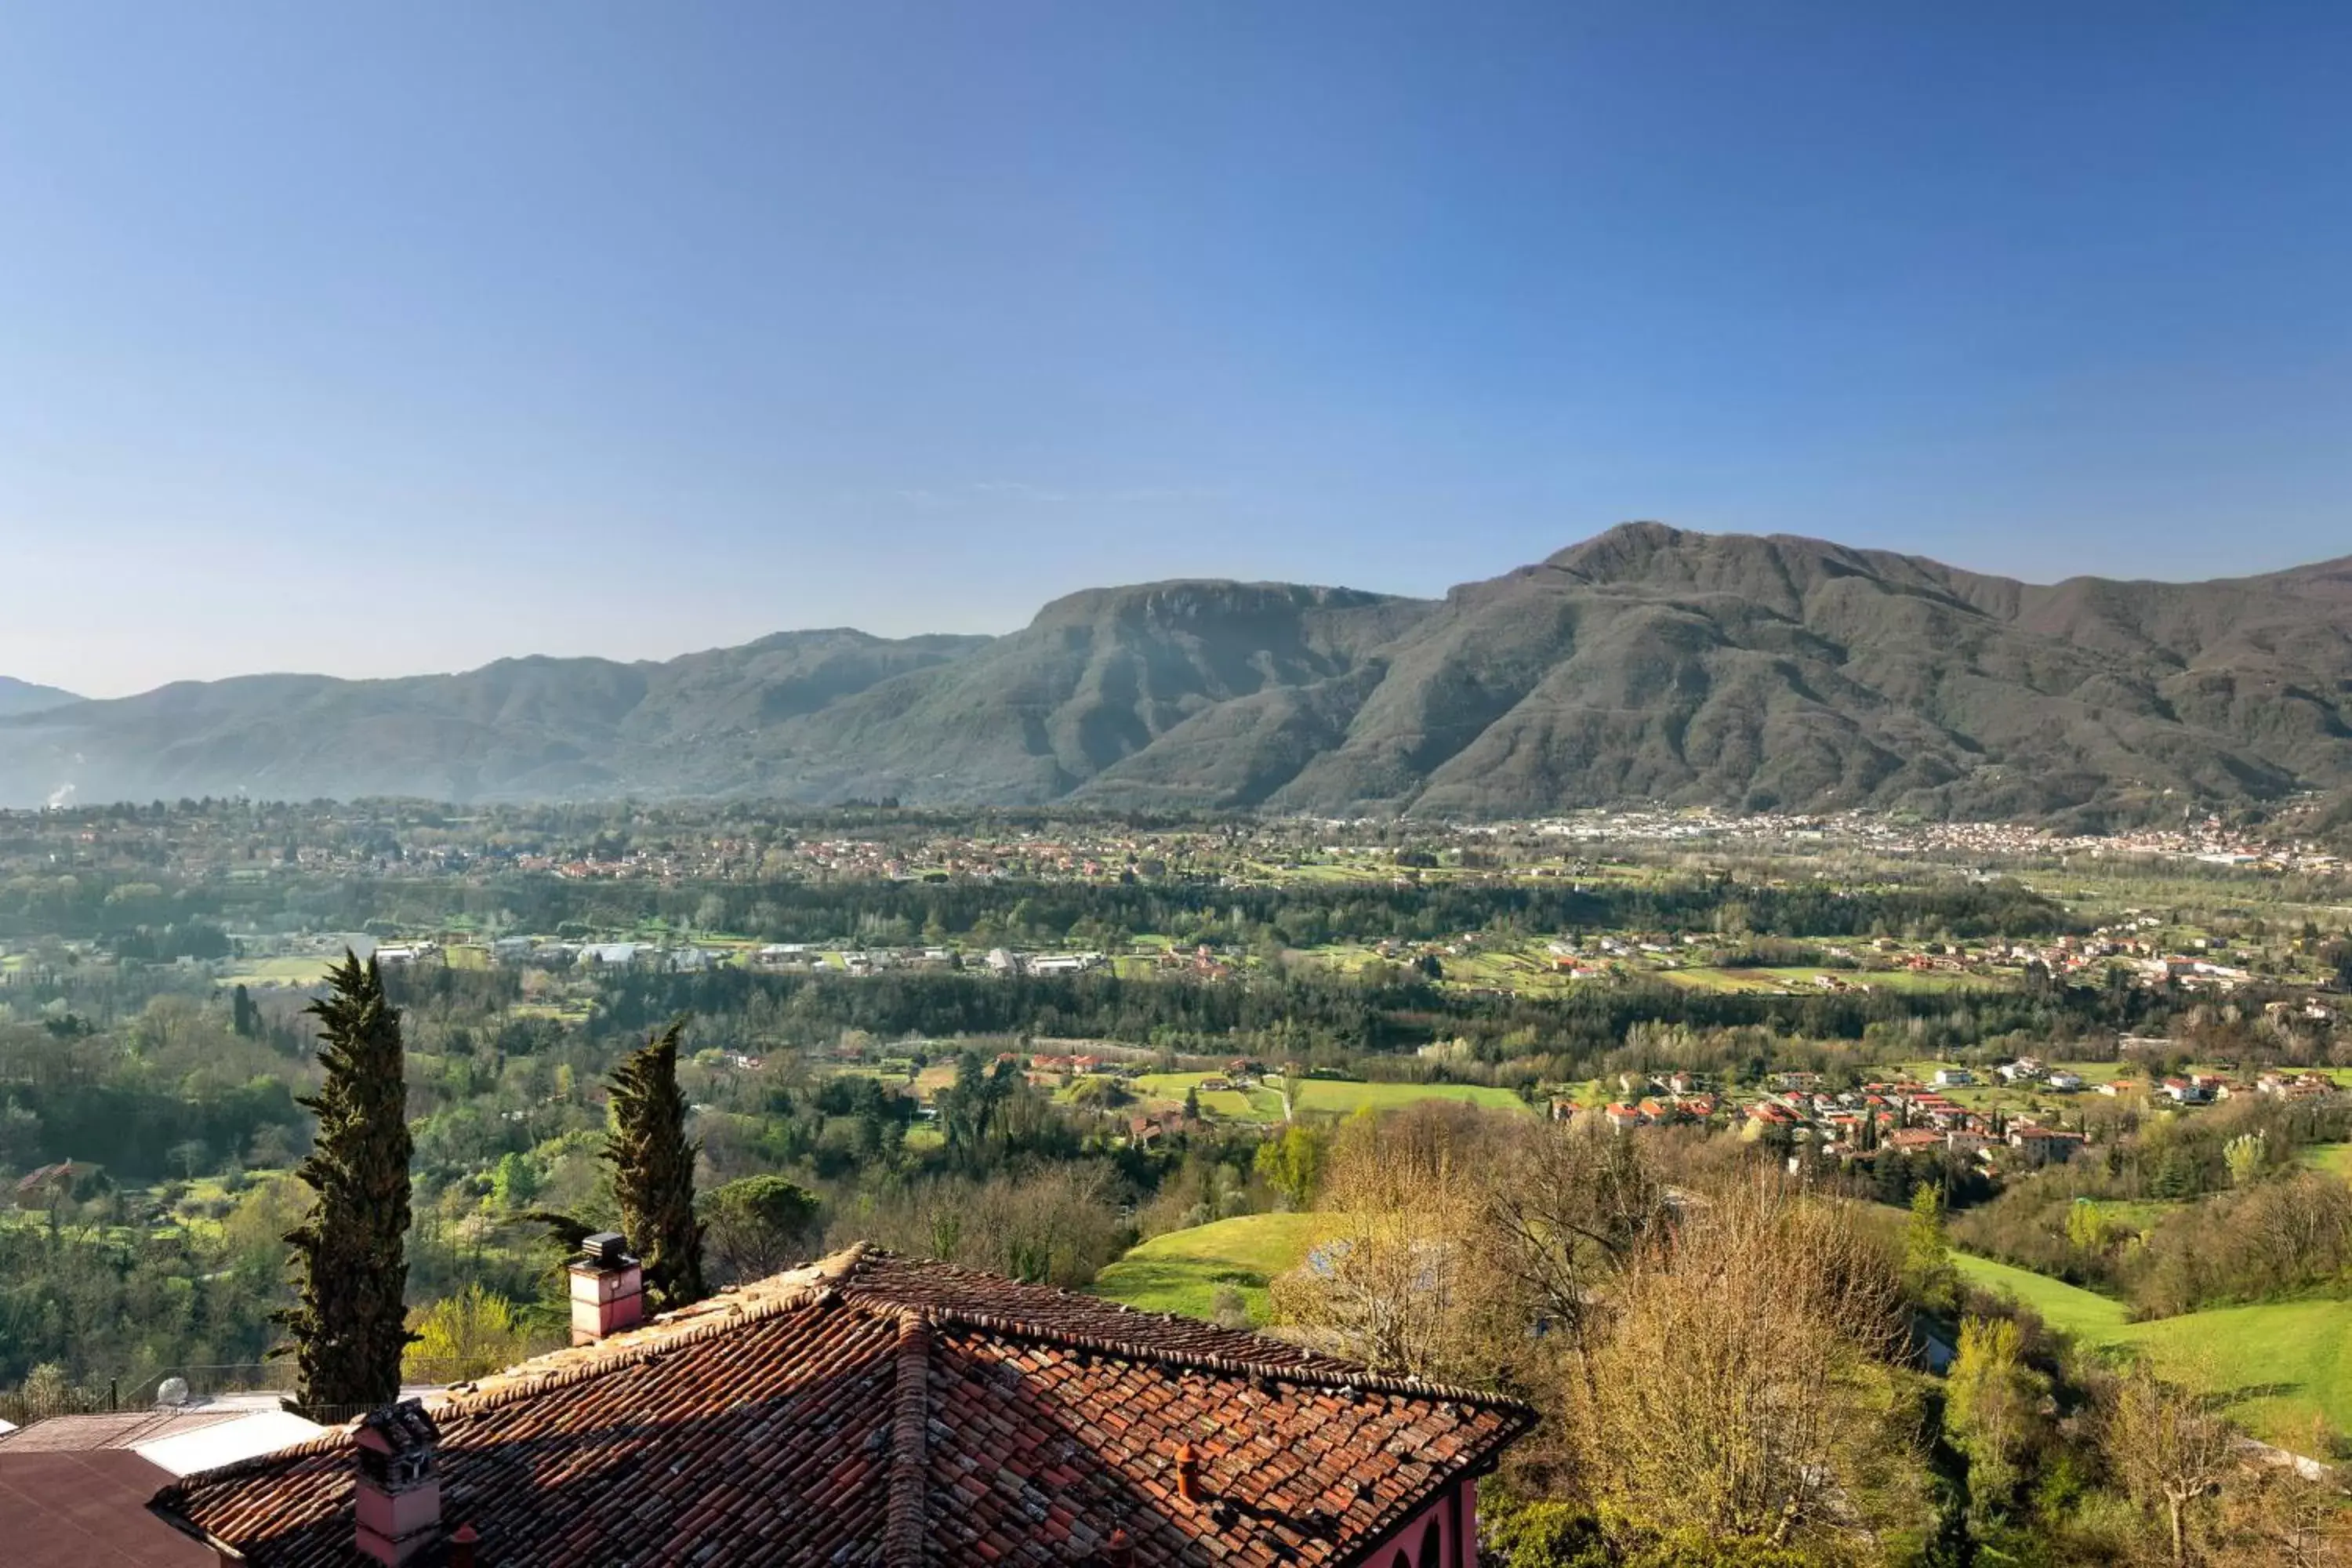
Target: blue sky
x: 376, y: 338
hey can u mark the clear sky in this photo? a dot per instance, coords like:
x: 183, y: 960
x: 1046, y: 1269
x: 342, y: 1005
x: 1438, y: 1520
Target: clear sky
x: 374, y: 338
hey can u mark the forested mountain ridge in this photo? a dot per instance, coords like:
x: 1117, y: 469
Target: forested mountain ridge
x: 24, y: 697
x: 1646, y: 663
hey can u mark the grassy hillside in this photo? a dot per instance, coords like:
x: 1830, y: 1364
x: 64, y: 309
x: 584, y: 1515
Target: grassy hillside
x: 1315, y: 1096
x: 1180, y: 1272
x: 2281, y: 1365
x: 2333, y: 1158
x: 2085, y: 1314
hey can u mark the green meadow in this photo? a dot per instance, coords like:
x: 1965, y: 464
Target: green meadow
x: 2278, y: 1366
x: 1181, y: 1270
x: 1314, y: 1096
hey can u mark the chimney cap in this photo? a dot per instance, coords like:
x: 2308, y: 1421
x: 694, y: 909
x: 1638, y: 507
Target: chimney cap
x: 606, y: 1249
x: 399, y: 1428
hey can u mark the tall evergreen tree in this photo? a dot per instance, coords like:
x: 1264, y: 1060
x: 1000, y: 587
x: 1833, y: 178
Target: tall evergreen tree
x: 653, y: 1171
x: 350, y: 1262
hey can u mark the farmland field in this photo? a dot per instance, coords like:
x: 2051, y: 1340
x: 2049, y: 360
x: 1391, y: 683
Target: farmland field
x: 1315, y: 1096
x: 1181, y: 1270
x: 296, y: 971
x: 1230, y: 1105
x: 1332, y: 1098
x: 2278, y: 1367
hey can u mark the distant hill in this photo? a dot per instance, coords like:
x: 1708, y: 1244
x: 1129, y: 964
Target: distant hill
x: 1647, y: 663
x: 23, y: 696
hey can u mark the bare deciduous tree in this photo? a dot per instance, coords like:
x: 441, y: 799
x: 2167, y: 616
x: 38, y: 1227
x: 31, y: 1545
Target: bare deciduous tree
x: 1730, y: 1388
x: 2170, y: 1451
x: 1395, y: 1284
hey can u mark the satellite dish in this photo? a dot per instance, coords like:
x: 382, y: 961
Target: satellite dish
x: 175, y: 1391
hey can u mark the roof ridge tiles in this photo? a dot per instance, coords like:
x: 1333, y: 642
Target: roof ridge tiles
x: 906, y: 1541
x: 522, y: 1382
x: 327, y: 1442
x: 1358, y: 1378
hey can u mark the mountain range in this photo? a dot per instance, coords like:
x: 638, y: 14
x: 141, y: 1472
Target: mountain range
x: 23, y: 696
x: 1648, y: 663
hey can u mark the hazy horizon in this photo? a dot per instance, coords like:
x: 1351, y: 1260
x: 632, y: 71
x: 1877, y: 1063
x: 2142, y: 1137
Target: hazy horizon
x: 384, y: 343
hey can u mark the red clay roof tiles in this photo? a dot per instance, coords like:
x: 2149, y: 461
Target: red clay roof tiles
x: 874, y: 1410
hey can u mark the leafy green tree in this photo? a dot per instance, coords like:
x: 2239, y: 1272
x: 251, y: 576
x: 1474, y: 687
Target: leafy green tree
x: 1992, y: 1405
x: 513, y: 1181
x: 653, y: 1170
x: 2087, y: 1227
x: 1546, y: 1535
x: 1927, y: 1271
x: 350, y: 1259
x: 759, y: 1224
x: 468, y: 1335
x: 1292, y: 1164
x: 2243, y: 1156
x: 2176, y: 1175
x: 971, y: 1109
x: 245, y: 1018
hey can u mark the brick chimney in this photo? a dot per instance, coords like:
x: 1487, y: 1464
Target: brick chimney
x: 608, y: 1289
x: 398, y: 1499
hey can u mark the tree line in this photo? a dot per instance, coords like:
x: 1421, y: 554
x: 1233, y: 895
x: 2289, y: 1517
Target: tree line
x: 166, y: 919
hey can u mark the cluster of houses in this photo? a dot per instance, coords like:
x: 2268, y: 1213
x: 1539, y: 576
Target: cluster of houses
x: 785, y: 956
x: 2211, y: 842
x: 538, y: 953
x: 1905, y: 1117
x: 1912, y: 1118
x: 1201, y: 963
x: 2133, y: 940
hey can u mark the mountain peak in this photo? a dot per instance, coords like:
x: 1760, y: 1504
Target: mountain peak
x: 1626, y: 546
x: 1187, y: 600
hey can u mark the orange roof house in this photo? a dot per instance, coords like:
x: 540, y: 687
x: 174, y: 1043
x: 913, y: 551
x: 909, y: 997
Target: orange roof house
x: 871, y: 1409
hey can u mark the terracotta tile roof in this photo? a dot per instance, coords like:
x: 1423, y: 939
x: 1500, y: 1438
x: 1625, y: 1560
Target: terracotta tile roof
x: 874, y: 1410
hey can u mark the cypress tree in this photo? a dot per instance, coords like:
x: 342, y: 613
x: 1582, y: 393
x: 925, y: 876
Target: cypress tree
x: 653, y: 1170
x: 349, y: 1263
